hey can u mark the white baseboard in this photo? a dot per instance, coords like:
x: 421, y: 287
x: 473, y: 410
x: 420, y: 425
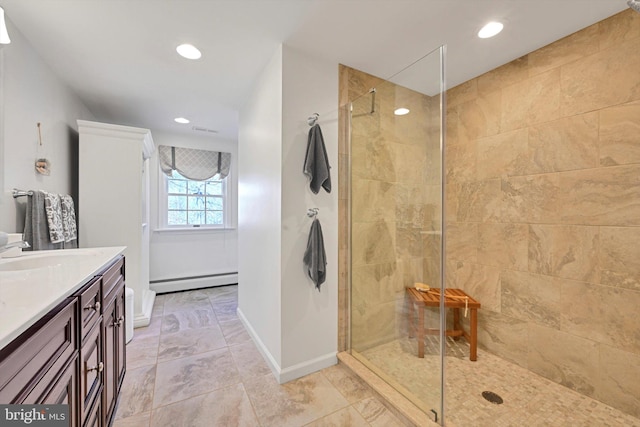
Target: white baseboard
x: 307, y: 367
x: 273, y: 365
x: 292, y: 372
x: 194, y: 283
x: 143, y: 319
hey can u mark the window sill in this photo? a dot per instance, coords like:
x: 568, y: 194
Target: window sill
x: 193, y: 230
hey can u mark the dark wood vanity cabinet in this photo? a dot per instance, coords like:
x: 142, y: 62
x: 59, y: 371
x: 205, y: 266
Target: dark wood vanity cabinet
x: 74, y: 355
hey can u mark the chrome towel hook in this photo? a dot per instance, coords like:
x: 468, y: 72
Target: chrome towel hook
x: 312, y: 119
x: 312, y: 212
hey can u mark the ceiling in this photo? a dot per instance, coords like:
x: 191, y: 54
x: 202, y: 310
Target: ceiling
x: 119, y: 55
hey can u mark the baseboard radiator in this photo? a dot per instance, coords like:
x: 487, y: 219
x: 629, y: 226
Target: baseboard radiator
x: 163, y: 286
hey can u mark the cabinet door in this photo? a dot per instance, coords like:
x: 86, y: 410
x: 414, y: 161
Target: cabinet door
x: 110, y: 330
x: 94, y: 417
x: 121, y: 339
x: 91, y: 371
x: 114, y: 347
x: 65, y: 392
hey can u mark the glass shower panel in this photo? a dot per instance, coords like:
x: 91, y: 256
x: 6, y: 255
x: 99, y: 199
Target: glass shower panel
x: 396, y: 205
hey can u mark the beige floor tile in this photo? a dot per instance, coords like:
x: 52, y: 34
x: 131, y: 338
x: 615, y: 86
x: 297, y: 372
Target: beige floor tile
x: 223, y: 294
x: 190, y: 376
x: 249, y: 361
x: 375, y: 413
x: 234, y: 332
x: 137, y: 392
x: 158, y: 306
x: 342, y: 418
x: 221, y: 408
x: 348, y: 384
x: 142, y: 351
x: 226, y: 311
x: 190, y: 342
x: 152, y: 330
x: 295, y: 403
x: 185, y: 300
x: 139, y: 420
x: 192, y: 318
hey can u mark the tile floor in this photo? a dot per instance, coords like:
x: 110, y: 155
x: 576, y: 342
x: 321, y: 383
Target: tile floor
x: 529, y: 399
x: 195, y: 365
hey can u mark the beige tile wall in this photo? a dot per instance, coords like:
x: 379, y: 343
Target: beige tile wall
x: 543, y: 208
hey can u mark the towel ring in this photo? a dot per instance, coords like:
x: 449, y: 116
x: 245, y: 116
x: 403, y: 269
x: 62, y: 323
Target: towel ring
x: 311, y: 212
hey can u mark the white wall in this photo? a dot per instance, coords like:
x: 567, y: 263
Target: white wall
x: 259, y: 211
x: 185, y: 254
x: 309, y: 317
x: 294, y: 325
x: 32, y: 93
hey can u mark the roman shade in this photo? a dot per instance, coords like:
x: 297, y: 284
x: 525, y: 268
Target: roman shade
x: 198, y: 165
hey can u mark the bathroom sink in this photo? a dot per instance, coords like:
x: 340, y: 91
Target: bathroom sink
x: 30, y: 262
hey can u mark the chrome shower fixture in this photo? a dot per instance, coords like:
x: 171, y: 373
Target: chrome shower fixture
x: 634, y: 4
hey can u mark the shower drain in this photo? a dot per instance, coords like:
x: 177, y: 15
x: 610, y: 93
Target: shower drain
x: 492, y: 397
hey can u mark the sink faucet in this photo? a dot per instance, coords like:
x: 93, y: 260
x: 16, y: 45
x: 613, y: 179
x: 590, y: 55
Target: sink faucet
x: 22, y: 245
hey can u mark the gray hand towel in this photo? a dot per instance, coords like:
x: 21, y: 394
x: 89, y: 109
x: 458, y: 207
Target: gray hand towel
x: 315, y: 258
x: 316, y: 162
x: 36, y: 229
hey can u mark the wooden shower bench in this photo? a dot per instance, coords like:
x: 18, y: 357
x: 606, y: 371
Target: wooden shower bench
x: 454, y: 298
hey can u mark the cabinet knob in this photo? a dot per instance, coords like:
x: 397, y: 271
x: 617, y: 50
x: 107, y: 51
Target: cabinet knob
x: 119, y: 321
x: 95, y: 307
x: 98, y: 368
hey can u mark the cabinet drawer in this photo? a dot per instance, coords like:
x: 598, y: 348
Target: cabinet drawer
x: 47, y: 347
x: 90, y: 306
x: 112, y: 276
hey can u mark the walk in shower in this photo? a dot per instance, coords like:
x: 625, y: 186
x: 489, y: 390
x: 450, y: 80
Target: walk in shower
x: 540, y: 212
x: 396, y: 228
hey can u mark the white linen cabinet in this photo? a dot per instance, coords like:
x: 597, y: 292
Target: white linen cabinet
x: 113, y: 200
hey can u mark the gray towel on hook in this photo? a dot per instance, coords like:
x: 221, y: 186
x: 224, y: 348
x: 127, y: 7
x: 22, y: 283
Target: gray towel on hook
x: 36, y: 228
x: 315, y: 258
x: 316, y: 162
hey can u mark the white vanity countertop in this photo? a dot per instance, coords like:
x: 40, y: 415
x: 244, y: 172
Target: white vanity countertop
x: 28, y: 294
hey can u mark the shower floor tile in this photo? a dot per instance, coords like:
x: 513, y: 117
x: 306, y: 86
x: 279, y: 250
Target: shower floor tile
x: 529, y: 399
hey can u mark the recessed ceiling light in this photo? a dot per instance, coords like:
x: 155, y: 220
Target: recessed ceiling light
x: 401, y: 111
x: 490, y: 30
x: 181, y: 120
x: 189, y: 51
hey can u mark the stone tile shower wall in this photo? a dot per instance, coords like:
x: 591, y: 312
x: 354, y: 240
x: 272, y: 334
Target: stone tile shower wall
x: 393, y: 205
x: 543, y: 209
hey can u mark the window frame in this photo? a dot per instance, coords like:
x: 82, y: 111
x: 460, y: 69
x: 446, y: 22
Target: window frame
x: 163, y: 216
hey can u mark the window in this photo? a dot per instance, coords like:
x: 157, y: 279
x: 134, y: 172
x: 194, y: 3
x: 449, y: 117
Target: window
x: 194, y: 194
x: 191, y: 203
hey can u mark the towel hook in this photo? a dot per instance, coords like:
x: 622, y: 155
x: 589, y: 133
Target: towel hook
x: 312, y: 119
x: 312, y: 212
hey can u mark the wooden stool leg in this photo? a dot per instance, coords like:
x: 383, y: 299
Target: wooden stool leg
x: 411, y: 318
x: 421, y: 331
x: 473, y: 351
x: 456, y: 322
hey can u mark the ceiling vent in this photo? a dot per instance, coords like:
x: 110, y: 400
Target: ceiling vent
x: 201, y: 129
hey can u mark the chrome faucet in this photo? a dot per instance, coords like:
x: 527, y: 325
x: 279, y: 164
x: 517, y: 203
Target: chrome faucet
x: 22, y: 245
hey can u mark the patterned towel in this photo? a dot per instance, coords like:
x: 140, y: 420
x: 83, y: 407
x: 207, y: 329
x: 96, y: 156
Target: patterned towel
x: 54, y: 217
x: 69, y: 228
